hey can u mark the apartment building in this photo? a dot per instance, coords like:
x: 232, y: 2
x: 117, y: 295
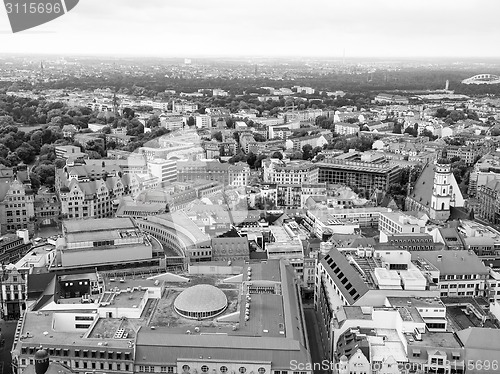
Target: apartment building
x: 346, y: 129
x: 94, y: 189
x: 163, y: 170
x: 235, y: 175
x: 461, y: 273
x: 65, y: 152
x: 393, y: 224
x: 16, y: 202
x: 368, y: 176
x: 292, y: 172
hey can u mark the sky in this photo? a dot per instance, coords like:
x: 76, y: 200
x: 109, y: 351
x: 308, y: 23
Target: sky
x: 300, y: 28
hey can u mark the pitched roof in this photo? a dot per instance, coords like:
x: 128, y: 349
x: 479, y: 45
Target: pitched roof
x: 338, y: 268
x: 480, y: 338
x: 422, y: 191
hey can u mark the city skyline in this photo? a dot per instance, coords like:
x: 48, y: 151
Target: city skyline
x: 378, y: 29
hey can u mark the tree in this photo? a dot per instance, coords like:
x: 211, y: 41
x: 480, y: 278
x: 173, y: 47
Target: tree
x: 397, y: 128
x: 251, y: 158
x: 217, y: 136
x: 153, y: 121
x: 26, y: 153
x: 307, y: 152
x: 278, y: 155
x: 6, y: 121
x: 410, y: 130
x: 191, y: 121
x: 259, y: 137
x: 428, y: 134
x: 46, y: 174
x: 106, y: 130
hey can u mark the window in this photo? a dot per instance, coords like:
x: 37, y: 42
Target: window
x: 185, y: 368
x: 223, y: 369
x: 242, y: 370
x: 261, y: 370
x: 204, y: 368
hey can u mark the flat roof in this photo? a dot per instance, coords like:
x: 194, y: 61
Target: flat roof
x: 99, y: 224
x: 437, y: 340
x: 453, y: 261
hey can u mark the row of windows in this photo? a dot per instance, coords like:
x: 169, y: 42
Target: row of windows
x: 206, y: 369
x: 470, y: 285
x: 110, y: 355
x: 460, y: 276
x: 468, y: 293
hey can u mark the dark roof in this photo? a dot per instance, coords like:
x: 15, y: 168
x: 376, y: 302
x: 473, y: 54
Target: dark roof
x: 54, y: 368
x: 37, y: 284
x: 348, y: 281
x: 422, y: 191
x: 457, y: 213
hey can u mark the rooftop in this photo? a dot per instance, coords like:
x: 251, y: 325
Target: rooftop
x: 452, y: 261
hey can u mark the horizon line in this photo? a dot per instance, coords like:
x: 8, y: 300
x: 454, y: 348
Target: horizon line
x: 243, y: 56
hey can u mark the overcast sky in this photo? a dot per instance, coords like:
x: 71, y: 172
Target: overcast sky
x: 190, y: 28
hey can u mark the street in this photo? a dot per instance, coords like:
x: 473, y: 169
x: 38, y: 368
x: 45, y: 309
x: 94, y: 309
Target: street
x: 8, y: 331
x: 315, y: 346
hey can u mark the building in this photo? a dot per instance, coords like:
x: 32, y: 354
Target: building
x: 94, y: 189
x: 392, y: 224
x: 181, y: 238
x: 103, y: 329
x: 281, y: 172
x: 391, y: 99
x: 47, y: 208
x: 172, y: 122
x: 230, y: 249
x: 344, y: 128
x: 97, y: 127
x: 65, y: 152
x: 461, y: 273
x: 105, y: 243
x: 481, y: 348
x: 321, y: 222
x: 203, y: 121
x: 14, y: 287
x: 468, y: 154
x: 366, y: 280
x: 488, y: 197
x: 184, y: 107
x: 16, y: 203
x: 138, y: 209
x: 366, y: 176
x: 41, y: 364
x: 163, y: 170
x: 288, y: 195
x: 313, y: 140
x: 69, y: 131
x: 435, y: 191
x: 12, y: 248
x: 235, y: 175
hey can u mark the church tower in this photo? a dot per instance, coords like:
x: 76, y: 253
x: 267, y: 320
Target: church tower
x: 442, y: 191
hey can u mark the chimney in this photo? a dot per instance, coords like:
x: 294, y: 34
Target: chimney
x: 41, y: 361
